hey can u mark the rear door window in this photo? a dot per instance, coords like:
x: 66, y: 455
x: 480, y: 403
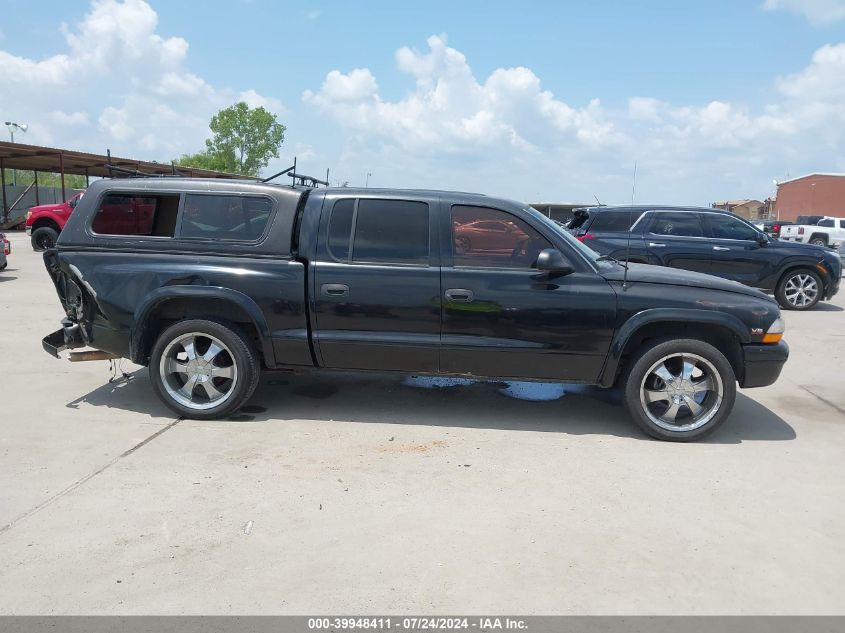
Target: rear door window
x: 391, y: 232
x: 340, y: 229
x: 141, y: 214
x: 676, y: 224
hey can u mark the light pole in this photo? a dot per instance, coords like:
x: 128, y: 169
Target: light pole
x: 367, y: 182
x: 22, y: 127
x: 12, y: 125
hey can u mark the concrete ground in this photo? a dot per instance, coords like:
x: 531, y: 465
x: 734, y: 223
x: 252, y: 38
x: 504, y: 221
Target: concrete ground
x: 367, y: 494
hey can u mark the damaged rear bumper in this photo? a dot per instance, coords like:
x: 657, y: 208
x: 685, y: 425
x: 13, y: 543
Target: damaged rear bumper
x: 69, y: 336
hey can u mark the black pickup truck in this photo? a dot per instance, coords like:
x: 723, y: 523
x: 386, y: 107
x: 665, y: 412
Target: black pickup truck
x: 208, y: 282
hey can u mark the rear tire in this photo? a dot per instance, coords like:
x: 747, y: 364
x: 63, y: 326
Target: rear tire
x: 680, y: 390
x: 204, y: 369
x: 799, y: 290
x: 818, y: 241
x: 44, y: 238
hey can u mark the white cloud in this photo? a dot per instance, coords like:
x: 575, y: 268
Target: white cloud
x: 817, y: 12
x: 119, y: 72
x: 450, y: 110
x: 255, y: 100
x: 506, y: 134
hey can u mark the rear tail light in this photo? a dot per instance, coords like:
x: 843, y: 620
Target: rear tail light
x: 776, y: 228
x: 800, y: 230
x: 585, y: 237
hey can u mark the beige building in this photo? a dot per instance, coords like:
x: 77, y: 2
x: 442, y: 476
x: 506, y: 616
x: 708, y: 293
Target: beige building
x: 748, y: 209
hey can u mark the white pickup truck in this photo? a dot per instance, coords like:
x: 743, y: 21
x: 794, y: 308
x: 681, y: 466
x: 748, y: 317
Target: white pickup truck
x: 828, y: 231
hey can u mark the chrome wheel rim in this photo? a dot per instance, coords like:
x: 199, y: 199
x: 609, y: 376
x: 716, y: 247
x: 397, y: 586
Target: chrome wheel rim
x: 801, y: 290
x: 198, y: 371
x: 681, y: 392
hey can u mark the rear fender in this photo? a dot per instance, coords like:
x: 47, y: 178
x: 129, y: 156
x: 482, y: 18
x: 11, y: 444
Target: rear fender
x: 159, y: 296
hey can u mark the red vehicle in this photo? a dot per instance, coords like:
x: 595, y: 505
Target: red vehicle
x: 7, y: 250
x: 46, y: 221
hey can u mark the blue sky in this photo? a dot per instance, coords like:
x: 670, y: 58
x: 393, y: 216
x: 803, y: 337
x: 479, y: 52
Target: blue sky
x: 542, y: 100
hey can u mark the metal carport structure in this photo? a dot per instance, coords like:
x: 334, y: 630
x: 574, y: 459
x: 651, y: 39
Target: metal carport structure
x: 37, y: 158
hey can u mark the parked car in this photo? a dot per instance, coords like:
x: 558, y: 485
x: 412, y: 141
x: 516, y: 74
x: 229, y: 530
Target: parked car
x: 712, y: 241
x: 828, y: 231
x: 224, y: 278
x: 46, y: 221
x: 7, y: 250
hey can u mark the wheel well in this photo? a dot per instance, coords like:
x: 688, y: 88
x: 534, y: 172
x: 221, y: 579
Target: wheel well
x: 171, y: 311
x: 719, y: 337
x: 795, y: 269
x: 49, y: 223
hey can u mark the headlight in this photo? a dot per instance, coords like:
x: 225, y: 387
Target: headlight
x: 775, y: 332
x: 28, y: 214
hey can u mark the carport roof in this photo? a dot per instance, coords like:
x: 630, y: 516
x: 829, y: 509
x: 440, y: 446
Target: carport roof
x: 51, y: 159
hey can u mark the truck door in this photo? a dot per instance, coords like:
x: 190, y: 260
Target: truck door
x: 503, y: 317
x: 376, y: 284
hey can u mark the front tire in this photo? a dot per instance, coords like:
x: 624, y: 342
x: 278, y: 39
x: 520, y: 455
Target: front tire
x: 680, y: 390
x: 203, y: 369
x: 799, y: 290
x: 44, y: 238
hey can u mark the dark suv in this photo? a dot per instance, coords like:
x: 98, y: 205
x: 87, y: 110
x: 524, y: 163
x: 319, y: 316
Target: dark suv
x: 209, y: 281
x: 715, y: 242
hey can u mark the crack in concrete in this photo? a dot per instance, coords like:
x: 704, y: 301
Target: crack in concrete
x: 80, y: 482
x: 825, y: 400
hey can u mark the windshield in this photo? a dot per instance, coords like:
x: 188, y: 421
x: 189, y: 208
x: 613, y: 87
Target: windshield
x: 579, y: 246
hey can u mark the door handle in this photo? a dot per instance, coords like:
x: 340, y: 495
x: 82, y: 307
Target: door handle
x: 721, y: 248
x: 656, y: 245
x: 460, y: 295
x: 334, y: 290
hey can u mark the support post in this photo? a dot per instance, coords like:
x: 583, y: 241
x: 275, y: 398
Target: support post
x: 35, y: 178
x: 3, y: 185
x: 62, y: 170
x: 87, y: 183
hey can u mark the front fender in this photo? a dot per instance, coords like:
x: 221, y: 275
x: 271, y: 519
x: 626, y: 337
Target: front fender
x: 219, y: 294
x: 668, y: 315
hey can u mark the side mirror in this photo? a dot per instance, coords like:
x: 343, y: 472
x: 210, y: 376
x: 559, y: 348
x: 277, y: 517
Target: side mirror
x: 552, y: 260
x: 762, y: 239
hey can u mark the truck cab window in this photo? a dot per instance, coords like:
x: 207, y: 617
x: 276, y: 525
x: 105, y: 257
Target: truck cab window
x: 340, y: 229
x: 484, y: 237
x: 391, y: 232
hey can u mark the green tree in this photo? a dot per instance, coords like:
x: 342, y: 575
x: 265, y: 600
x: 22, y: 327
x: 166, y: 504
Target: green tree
x: 244, y: 140
x: 46, y: 179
